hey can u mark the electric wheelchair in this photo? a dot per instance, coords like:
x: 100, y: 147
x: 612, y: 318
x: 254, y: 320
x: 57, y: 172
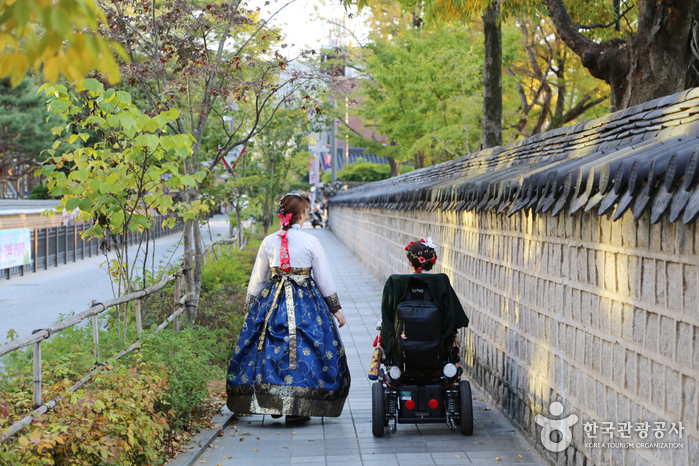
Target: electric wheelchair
x: 419, y: 381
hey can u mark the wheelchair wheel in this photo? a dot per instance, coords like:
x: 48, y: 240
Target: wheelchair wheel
x: 465, y: 407
x: 378, y: 409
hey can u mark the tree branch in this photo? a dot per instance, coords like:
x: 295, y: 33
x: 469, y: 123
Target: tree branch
x: 608, y: 25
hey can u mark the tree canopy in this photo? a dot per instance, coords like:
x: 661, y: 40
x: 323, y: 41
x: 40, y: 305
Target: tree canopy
x: 424, y: 89
x: 24, y: 131
x: 54, y: 38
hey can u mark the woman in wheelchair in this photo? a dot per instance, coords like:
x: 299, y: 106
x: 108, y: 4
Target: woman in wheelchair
x: 422, y: 381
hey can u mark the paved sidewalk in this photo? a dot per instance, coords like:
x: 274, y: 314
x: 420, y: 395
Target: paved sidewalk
x: 347, y: 440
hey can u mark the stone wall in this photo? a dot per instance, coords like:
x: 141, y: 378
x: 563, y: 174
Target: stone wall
x: 602, y: 316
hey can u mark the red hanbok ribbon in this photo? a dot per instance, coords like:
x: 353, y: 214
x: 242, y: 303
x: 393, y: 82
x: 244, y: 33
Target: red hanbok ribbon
x: 284, y: 252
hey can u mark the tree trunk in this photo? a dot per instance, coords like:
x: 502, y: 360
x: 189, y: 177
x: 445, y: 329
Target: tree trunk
x: 492, y: 77
x: 191, y: 301
x: 652, y: 64
x: 420, y: 160
x: 239, y: 222
x: 395, y: 169
x: 266, y: 214
x: 198, y: 264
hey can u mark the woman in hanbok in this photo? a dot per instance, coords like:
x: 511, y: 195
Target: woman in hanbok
x: 421, y: 256
x: 289, y: 359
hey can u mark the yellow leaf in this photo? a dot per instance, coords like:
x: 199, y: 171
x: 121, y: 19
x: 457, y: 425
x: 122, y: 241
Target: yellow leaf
x: 19, y: 65
x: 5, y: 67
x: 23, y: 441
x: 52, y: 68
x: 110, y: 67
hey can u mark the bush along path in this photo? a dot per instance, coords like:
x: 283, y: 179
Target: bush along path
x: 143, y: 408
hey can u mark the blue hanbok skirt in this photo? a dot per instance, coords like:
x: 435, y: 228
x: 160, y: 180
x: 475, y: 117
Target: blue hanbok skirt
x: 289, y: 358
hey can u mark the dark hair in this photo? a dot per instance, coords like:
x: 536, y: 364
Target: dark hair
x: 416, y: 250
x: 292, y: 204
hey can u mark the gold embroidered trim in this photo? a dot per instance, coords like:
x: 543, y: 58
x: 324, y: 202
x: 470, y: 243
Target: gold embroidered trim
x: 265, y: 398
x: 285, y: 284
x: 291, y: 321
x: 277, y: 271
x: 249, y: 301
x: 333, y: 303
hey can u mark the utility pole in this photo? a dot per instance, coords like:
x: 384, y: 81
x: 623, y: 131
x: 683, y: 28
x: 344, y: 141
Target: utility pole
x: 346, y: 133
x: 333, y: 150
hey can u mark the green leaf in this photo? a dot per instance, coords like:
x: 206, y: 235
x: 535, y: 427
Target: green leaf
x: 83, y: 174
x: 128, y: 122
x: 147, y: 140
x: 21, y: 12
x: 93, y: 85
x: 86, y: 205
x: 117, y: 218
x: 123, y: 96
x: 72, y: 203
x: 188, y: 181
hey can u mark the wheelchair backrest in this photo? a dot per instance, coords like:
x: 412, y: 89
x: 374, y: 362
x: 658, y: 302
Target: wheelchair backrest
x: 417, y: 344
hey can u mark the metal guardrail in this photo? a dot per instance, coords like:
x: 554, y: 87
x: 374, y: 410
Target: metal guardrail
x: 52, y: 246
x: 97, y: 308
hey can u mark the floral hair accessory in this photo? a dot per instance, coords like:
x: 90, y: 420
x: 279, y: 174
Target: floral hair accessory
x: 418, y: 270
x: 434, y: 259
x: 284, y: 219
x: 428, y: 243
x: 421, y: 260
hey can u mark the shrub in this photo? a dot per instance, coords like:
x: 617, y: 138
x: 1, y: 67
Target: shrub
x: 233, y: 267
x: 40, y: 192
x: 127, y: 413
x: 113, y: 421
x: 361, y: 170
x: 192, y: 357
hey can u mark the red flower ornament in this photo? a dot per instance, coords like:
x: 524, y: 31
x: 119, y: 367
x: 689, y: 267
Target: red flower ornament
x: 284, y: 219
x: 433, y: 260
x: 421, y: 259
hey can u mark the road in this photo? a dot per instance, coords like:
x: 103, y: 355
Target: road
x: 37, y: 299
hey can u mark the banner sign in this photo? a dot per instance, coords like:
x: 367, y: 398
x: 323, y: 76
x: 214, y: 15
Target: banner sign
x: 15, y: 247
x: 231, y: 160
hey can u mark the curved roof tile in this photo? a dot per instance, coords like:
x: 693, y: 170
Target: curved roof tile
x: 643, y: 158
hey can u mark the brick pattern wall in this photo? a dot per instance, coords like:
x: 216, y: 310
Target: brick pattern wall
x: 601, y: 316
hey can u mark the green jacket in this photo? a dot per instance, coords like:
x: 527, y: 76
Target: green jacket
x: 443, y: 295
